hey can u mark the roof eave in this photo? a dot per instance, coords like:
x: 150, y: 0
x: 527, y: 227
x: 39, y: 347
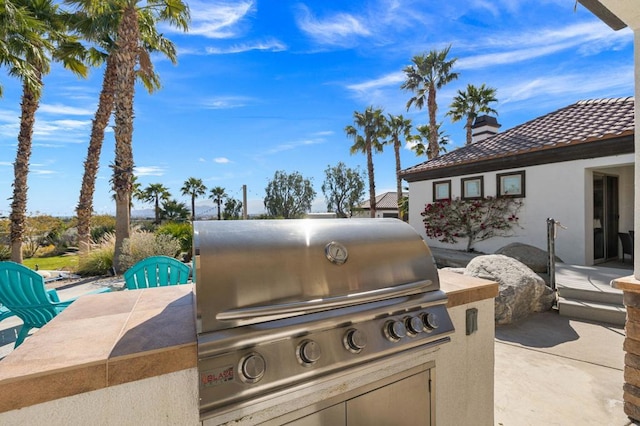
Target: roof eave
x: 604, y: 14
x: 579, y: 151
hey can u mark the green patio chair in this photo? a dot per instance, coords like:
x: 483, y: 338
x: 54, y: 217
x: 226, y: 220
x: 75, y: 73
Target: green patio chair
x: 23, y: 293
x: 5, y: 313
x: 156, y: 271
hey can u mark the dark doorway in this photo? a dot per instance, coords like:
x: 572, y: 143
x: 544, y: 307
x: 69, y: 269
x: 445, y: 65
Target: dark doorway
x: 605, y: 217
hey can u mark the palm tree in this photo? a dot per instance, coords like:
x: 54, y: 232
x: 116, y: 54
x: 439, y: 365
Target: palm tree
x: 136, y: 192
x: 153, y: 193
x: 127, y: 54
x: 424, y: 134
x: 398, y: 127
x: 429, y: 74
x: 471, y: 102
x: 174, y: 210
x: 217, y: 194
x: 195, y: 188
x: 97, y: 24
x: 53, y: 44
x: 374, y: 127
x: 19, y: 33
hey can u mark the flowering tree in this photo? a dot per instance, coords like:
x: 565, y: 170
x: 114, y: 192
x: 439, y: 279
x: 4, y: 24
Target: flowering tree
x: 475, y: 220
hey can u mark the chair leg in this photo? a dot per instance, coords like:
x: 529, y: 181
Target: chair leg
x: 24, y: 332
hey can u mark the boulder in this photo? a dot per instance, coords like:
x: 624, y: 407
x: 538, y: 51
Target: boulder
x: 533, y: 257
x: 521, y: 292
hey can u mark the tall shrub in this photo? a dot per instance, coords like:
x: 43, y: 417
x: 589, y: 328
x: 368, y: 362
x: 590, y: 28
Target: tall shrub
x: 476, y: 220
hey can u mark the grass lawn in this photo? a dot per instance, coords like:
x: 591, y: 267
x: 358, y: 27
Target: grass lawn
x: 67, y: 263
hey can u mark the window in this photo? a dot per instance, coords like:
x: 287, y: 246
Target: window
x: 442, y: 190
x: 510, y: 184
x: 472, y: 188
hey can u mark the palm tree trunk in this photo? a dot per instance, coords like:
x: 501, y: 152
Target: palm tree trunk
x: 218, y: 201
x: 126, y: 58
x: 432, y: 106
x: 157, y: 210
x: 372, y: 182
x: 469, y: 124
x: 92, y: 163
x: 396, y: 149
x: 193, y: 208
x: 29, y: 106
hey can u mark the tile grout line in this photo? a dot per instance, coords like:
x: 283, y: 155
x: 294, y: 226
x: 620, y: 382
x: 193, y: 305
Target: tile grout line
x: 120, y: 334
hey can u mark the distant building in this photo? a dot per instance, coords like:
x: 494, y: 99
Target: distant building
x: 386, y: 206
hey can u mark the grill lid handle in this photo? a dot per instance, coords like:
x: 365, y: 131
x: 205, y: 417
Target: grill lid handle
x: 284, y: 310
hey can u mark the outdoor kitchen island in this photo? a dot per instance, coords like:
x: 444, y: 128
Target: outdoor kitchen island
x: 130, y: 357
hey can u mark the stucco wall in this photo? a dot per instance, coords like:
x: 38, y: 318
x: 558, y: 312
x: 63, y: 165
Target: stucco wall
x: 170, y: 399
x: 562, y: 191
x: 464, y: 381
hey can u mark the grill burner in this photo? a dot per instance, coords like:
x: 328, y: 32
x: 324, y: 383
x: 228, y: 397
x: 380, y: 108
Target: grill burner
x: 281, y: 303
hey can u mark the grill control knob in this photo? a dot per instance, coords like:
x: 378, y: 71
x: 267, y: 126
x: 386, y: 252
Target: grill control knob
x: 309, y: 352
x: 430, y: 321
x: 355, y: 340
x: 395, y: 330
x: 414, y: 325
x: 252, y: 368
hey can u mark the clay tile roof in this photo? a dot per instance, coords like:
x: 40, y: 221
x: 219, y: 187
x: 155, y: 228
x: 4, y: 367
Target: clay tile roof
x: 388, y: 200
x: 583, y: 122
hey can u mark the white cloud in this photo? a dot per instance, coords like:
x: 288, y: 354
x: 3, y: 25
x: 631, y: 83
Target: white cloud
x: 149, y: 171
x: 589, y: 38
x: 64, y: 110
x: 226, y: 102
x: 339, y: 29
x: 293, y: 145
x: 40, y: 172
x: 218, y: 19
x: 324, y: 133
x: 605, y: 82
x: 221, y: 160
x: 392, y: 79
x: 62, y: 130
x: 271, y: 45
x: 5, y: 163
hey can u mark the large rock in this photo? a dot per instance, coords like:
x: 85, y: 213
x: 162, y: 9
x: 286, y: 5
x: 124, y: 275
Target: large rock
x: 522, y: 291
x: 531, y: 256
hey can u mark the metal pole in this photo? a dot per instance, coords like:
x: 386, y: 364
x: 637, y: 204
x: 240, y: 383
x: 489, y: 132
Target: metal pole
x: 551, y: 249
x: 244, y: 202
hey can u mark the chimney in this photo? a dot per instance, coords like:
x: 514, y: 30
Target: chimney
x: 483, y: 127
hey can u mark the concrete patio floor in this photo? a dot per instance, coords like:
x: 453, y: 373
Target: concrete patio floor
x: 552, y: 370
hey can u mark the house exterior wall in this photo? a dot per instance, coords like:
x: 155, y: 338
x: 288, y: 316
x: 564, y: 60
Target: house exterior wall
x: 562, y: 191
x: 379, y: 213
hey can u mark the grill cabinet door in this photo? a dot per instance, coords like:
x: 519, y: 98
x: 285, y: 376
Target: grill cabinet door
x: 333, y: 416
x: 406, y: 402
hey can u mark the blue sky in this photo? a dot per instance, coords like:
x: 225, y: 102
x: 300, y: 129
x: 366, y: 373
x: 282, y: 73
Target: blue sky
x: 267, y: 85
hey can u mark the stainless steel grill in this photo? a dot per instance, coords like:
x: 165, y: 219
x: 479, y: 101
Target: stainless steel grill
x: 281, y: 303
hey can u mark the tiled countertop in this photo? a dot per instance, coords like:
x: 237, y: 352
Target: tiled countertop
x: 107, y: 339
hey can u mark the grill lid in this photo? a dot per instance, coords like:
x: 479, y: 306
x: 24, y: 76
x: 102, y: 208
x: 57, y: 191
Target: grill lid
x: 259, y: 270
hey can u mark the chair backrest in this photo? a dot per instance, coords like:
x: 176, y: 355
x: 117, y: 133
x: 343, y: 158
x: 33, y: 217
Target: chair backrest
x: 156, y: 271
x: 22, y: 290
x: 627, y: 243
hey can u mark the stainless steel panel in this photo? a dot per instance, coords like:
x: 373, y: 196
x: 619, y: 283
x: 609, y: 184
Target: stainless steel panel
x: 414, y: 392
x: 403, y: 403
x: 277, y: 344
x: 260, y: 263
x: 333, y: 416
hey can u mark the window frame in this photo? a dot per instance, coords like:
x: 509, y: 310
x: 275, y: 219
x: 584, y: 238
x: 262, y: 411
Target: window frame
x: 441, y: 183
x: 500, y: 193
x: 463, y: 187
